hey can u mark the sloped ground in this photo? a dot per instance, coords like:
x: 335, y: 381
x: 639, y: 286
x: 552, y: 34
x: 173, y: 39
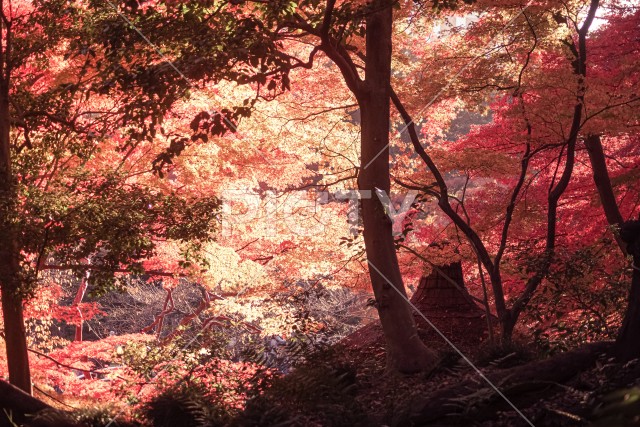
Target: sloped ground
x: 348, y: 385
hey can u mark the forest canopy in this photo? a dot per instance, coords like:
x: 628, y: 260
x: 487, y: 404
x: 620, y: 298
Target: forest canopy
x: 239, y: 212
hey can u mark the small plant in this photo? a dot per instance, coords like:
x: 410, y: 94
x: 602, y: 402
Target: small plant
x: 102, y: 416
x: 186, y: 406
x: 591, y: 294
x: 317, y: 392
x: 504, y: 355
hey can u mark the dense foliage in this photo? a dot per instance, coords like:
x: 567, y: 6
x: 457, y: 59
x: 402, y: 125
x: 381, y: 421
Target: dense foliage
x: 202, y: 201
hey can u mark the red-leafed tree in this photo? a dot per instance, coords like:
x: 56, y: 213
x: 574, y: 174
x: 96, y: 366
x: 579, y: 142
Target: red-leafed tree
x: 524, y: 74
x: 522, y: 68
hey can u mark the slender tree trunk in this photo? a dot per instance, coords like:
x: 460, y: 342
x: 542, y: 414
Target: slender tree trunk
x: 627, y: 344
x: 603, y: 185
x: 504, y: 314
x: 508, y: 324
x: 82, y: 289
x: 14, y: 330
x: 405, y: 351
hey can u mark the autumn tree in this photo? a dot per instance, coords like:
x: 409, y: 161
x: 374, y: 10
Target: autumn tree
x: 74, y: 196
x: 612, y: 126
x: 522, y: 72
x: 263, y: 45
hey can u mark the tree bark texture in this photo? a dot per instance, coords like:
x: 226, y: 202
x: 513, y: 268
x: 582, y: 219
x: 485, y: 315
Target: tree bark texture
x: 627, y: 345
x: 405, y: 351
x: 12, y: 310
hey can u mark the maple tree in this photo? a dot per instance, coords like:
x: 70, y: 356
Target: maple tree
x: 246, y: 43
x: 338, y: 31
x: 613, y: 124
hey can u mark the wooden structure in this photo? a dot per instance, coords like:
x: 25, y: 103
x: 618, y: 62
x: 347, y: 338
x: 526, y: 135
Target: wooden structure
x: 444, y: 299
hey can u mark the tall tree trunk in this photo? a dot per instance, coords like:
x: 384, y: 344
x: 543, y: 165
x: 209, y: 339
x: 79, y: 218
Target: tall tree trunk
x: 12, y: 311
x: 405, y: 351
x: 14, y: 332
x: 603, y: 185
x: 627, y: 344
x: 82, y: 289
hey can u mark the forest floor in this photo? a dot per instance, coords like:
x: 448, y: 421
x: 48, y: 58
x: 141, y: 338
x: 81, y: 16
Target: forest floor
x: 592, y: 390
x: 349, y: 386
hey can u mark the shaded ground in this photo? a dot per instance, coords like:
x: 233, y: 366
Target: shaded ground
x: 348, y: 385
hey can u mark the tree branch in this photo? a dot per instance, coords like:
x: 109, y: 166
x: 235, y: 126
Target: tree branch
x: 443, y: 202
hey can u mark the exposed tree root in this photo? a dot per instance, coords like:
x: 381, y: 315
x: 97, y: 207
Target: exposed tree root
x: 476, y: 399
x: 18, y: 408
